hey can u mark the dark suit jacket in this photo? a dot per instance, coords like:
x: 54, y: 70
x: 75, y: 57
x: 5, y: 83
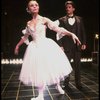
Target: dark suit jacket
x: 67, y: 41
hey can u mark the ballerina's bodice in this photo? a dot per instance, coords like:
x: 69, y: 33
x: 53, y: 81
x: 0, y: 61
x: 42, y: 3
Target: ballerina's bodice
x: 38, y: 32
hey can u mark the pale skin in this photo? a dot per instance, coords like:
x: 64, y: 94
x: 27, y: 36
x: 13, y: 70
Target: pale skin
x: 33, y: 8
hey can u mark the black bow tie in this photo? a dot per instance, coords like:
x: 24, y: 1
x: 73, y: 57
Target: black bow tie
x: 70, y: 16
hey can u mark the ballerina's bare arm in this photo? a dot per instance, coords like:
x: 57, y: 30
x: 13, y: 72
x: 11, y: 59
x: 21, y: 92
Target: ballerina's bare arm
x: 62, y: 31
x: 22, y: 40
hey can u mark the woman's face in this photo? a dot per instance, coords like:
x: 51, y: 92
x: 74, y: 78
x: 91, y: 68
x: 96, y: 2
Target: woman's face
x: 33, y: 7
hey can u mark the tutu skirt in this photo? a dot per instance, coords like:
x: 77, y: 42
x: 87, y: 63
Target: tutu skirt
x: 44, y: 63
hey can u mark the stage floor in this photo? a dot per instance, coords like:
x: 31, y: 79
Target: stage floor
x: 12, y: 89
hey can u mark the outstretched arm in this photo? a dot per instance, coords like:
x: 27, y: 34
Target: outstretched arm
x: 22, y: 40
x: 17, y: 46
x: 53, y: 26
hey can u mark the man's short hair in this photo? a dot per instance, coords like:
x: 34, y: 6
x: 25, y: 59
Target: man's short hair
x: 70, y: 2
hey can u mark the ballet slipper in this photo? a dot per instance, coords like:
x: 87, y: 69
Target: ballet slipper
x: 61, y: 91
x: 37, y: 98
x: 32, y: 98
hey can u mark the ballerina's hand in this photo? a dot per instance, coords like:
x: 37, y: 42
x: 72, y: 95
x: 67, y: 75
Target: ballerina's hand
x: 75, y: 39
x: 16, y: 50
x: 62, y: 48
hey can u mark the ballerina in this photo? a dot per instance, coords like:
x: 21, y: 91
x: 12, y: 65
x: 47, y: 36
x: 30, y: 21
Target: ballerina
x: 44, y: 62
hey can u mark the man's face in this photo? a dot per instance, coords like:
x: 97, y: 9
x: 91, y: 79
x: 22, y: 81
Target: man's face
x: 69, y: 9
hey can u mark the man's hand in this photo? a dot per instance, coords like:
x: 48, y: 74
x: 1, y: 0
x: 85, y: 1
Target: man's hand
x: 83, y: 47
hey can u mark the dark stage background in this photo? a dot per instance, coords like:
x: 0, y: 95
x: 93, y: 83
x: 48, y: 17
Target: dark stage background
x: 14, y: 18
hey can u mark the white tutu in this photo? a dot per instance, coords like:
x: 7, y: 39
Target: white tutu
x: 44, y: 61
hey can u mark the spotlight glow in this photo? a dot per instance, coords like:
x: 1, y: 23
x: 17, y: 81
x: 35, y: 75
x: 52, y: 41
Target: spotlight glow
x: 20, y: 61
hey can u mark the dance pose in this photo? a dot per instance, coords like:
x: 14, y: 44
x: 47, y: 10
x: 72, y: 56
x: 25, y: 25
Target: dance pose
x: 44, y: 62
